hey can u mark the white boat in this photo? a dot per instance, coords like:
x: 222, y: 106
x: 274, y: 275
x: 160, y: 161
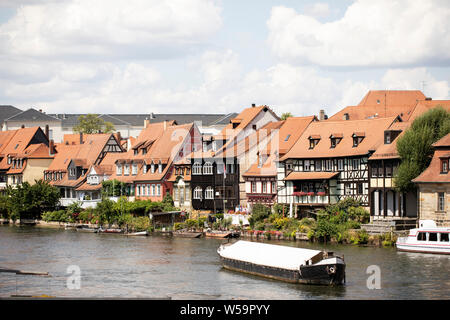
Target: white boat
x: 141, y: 233
x: 290, y: 264
x: 428, y: 238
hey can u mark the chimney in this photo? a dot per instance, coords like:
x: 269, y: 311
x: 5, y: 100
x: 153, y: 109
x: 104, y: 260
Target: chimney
x: 22, y: 126
x: 81, y: 137
x: 146, y: 123
x: 40, y: 110
x: 428, y: 98
x: 152, y: 115
x: 47, y: 131
x: 51, y: 148
x: 321, y: 114
x: 346, y: 116
x: 118, y: 136
x: 253, y: 105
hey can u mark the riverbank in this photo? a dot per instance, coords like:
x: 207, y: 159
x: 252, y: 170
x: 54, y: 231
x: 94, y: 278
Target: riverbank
x: 354, y: 238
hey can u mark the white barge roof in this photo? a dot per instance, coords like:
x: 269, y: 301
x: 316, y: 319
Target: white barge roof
x: 270, y: 255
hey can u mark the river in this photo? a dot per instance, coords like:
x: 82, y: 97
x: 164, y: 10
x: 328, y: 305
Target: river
x: 182, y: 268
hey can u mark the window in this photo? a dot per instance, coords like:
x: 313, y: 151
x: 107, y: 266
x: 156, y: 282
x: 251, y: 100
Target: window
x: 197, y: 168
x: 432, y: 236
x: 340, y: 164
x: 147, y: 190
x: 198, y: 193
x: 126, y: 170
x: 388, y: 170
x: 144, y: 168
x: 153, y: 190
x: 329, y: 165
x: 287, y: 137
x: 144, y: 151
x: 134, y: 169
x: 313, y: 143
x: 253, y: 187
x: 422, y: 236
x: 444, y: 237
x: 374, y: 170
x: 441, y: 201
x: 387, y: 138
x: 209, y: 193
x: 355, y: 164
x: 138, y: 190
x: 254, y: 127
x: 318, y: 165
x: 230, y: 168
x: 160, y: 167
x: 264, y: 187
x: 274, y: 187
x: 158, y: 189
x: 136, y: 152
x: 214, y: 146
x: 152, y: 168
x: 219, y: 168
x: 72, y: 171
x: 208, y: 168
x: 360, y: 188
x: 307, y: 166
x: 444, y: 166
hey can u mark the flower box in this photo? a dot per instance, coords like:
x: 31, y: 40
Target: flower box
x: 321, y: 194
x: 299, y: 193
x: 310, y: 193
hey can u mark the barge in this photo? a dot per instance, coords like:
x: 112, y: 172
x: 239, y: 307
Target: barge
x: 289, y: 264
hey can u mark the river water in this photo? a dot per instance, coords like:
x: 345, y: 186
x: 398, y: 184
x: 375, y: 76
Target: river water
x: 183, y: 268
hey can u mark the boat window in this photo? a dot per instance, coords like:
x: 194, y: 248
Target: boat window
x: 422, y: 236
x: 433, y: 236
x: 444, y: 237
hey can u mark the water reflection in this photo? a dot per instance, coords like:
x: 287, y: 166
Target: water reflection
x: 182, y: 268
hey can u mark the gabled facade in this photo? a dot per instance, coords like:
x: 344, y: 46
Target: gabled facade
x: 24, y: 155
x: 73, y: 163
x: 260, y: 175
x: 434, y: 186
x: 329, y: 162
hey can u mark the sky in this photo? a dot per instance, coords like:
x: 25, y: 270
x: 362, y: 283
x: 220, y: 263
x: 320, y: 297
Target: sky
x: 218, y: 56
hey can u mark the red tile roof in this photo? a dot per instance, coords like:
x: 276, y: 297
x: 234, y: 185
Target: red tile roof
x: 374, y: 136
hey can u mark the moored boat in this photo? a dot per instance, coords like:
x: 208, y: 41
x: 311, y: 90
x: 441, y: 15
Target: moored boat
x: 111, y: 230
x: 187, y: 234
x: 219, y: 234
x: 290, y: 264
x: 87, y: 229
x: 141, y: 233
x: 428, y: 238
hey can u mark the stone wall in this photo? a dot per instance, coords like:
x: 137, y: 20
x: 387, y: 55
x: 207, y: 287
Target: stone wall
x: 428, y: 203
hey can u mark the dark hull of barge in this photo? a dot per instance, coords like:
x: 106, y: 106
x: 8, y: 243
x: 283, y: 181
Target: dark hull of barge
x: 329, y: 274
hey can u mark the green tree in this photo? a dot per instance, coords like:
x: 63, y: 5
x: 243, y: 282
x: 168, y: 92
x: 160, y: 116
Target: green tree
x: 286, y: 115
x: 92, y: 123
x: 30, y: 201
x: 415, y: 146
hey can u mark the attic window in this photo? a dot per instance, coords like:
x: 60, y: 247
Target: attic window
x: 335, y: 138
x: 287, y: 137
x: 444, y: 165
x: 358, y: 137
x: 16, y: 146
x: 313, y: 141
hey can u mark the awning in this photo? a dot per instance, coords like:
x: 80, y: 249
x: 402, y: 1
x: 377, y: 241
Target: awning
x: 310, y: 176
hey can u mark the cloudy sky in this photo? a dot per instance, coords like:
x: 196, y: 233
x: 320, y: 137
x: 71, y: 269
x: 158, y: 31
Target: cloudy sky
x: 213, y: 56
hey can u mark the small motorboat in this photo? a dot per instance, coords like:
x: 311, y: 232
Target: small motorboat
x: 428, y: 238
x: 87, y: 229
x: 219, y: 234
x: 110, y: 230
x: 289, y: 264
x: 187, y: 234
x: 141, y: 233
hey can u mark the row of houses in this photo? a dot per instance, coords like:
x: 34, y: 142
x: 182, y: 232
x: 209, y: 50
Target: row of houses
x: 303, y: 162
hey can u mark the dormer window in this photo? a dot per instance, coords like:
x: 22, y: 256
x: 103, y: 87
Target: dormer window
x: 313, y: 141
x: 144, y: 168
x: 152, y: 168
x: 144, y: 150
x: 136, y: 152
x: 358, y: 137
x: 160, y: 167
x: 335, y: 138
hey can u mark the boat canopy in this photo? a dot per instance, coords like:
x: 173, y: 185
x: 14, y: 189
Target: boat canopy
x: 270, y: 255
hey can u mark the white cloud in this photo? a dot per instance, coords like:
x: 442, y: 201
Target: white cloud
x: 317, y: 10
x: 106, y: 29
x: 371, y: 33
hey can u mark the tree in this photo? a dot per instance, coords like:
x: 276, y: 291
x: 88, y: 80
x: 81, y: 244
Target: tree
x: 415, y: 146
x: 92, y: 123
x: 30, y: 201
x: 286, y: 115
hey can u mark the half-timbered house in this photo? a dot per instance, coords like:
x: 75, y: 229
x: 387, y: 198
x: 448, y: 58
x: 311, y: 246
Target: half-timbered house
x: 329, y: 162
